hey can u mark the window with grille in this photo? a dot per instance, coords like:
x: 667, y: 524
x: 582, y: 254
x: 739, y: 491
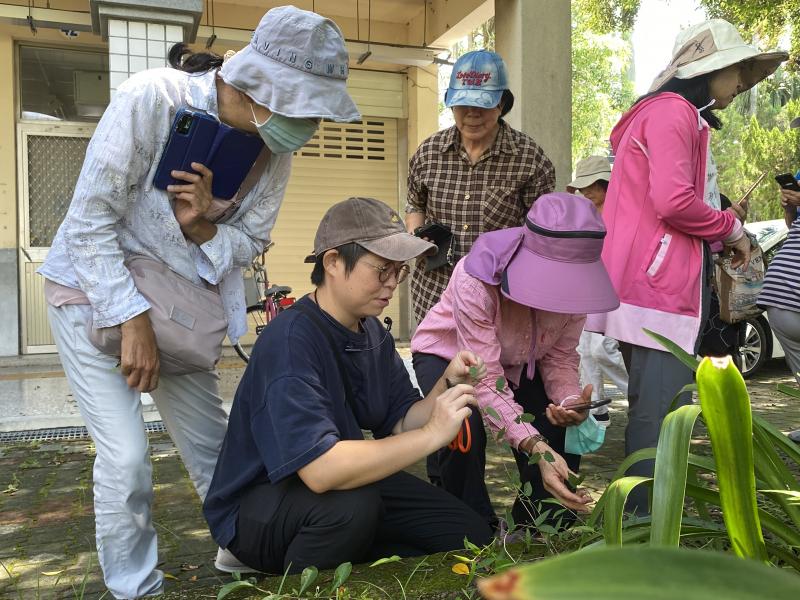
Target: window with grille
x: 54, y: 163
x: 364, y: 140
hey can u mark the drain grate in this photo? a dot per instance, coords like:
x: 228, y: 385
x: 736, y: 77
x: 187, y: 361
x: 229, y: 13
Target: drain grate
x: 62, y: 433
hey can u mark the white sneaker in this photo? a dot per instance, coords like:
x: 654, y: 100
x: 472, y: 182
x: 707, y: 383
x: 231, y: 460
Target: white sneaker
x: 228, y: 563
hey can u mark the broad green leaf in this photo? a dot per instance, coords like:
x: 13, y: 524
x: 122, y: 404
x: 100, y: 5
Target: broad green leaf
x: 473, y: 372
x: 773, y: 524
x: 341, y: 574
x: 770, y: 468
x: 639, y: 572
x: 794, y: 498
x: 779, y: 440
x: 726, y: 413
x: 687, y: 389
x: 614, y: 506
x: 789, y: 390
x: 383, y: 561
x: 308, y: 577
x: 678, y: 352
x: 527, y: 418
x: 232, y: 587
x: 500, y: 384
x: 669, y: 481
x: 527, y: 489
x: 492, y: 413
x: 548, y: 456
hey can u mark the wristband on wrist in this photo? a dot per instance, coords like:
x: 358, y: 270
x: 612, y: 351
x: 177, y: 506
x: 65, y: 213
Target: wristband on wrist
x: 535, y: 439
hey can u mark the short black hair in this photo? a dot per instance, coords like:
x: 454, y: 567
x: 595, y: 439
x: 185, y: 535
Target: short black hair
x: 603, y: 183
x: 351, y: 253
x: 696, y: 90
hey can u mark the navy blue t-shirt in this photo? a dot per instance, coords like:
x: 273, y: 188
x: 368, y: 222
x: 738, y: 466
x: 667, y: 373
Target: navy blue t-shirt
x: 290, y: 406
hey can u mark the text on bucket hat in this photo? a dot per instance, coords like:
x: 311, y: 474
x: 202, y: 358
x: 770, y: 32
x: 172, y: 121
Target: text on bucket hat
x: 590, y: 169
x: 295, y: 65
x: 713, y: 45
x: 479, y: 79
x: 552, y: 262
x: 371, y: 224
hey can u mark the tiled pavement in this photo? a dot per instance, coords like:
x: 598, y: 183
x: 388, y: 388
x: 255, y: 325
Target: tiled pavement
x: 47, y: 532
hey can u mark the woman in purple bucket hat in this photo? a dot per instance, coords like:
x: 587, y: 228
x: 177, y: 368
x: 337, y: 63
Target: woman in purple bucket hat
x: 519, y: 300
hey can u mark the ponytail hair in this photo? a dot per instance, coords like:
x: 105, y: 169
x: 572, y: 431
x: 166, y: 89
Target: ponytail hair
x: 182, y: 58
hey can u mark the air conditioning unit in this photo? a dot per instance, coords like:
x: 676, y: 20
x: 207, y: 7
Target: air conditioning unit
x: 91, y: 92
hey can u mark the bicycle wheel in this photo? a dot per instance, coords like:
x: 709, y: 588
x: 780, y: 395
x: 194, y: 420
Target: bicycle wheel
x: 243, y: 354
x: 257, y: 318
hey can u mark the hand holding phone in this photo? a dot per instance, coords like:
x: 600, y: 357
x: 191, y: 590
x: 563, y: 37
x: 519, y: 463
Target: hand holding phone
x: 591, y: 405
x: 788, y: 182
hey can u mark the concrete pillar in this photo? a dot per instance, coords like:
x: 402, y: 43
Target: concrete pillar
x: 134, y: 46
x: 534, y: 38
x: 9, y: 276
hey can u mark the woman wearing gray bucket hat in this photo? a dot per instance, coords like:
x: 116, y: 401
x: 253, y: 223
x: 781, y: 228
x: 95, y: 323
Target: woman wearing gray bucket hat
x: 291, y: 75
x: 662, y: 211
x: 478, y: 175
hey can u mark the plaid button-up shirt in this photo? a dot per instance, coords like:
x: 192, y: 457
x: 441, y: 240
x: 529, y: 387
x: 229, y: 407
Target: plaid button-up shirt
x: 494, y: 193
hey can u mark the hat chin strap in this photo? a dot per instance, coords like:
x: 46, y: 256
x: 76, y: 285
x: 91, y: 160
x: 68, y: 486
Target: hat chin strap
x: 701, y: 109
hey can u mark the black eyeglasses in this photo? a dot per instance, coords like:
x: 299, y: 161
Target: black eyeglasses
x: 400, y: 273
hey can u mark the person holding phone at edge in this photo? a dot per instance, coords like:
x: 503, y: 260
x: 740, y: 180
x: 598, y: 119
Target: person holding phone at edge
x: 662, y: 210
x: 780, y: 295
x: 116, y: 213
x: 498, y: 305
x: 296, y: 483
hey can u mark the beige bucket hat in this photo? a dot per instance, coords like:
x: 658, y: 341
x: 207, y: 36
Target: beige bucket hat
x: 714, y: 45
x: 590, y: 169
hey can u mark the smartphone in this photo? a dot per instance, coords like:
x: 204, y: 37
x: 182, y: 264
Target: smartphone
x: 190, y: 138
x: 787, y: 182
x: 197, y: 137
x: 231, y: 157
x: 591, y: 405
x: 436, y: 232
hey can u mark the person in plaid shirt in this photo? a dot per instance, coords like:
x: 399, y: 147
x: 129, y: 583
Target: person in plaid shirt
x: 479, y: 175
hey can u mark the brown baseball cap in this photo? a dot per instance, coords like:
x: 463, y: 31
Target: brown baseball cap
x: 371, y: 224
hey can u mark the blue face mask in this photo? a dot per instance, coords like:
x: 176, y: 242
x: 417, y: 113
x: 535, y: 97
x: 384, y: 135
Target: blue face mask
x: 283, y: 135
x: 586, y: 437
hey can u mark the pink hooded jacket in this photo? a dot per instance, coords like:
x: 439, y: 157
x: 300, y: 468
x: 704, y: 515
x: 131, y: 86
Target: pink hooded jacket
x: 656, y: 220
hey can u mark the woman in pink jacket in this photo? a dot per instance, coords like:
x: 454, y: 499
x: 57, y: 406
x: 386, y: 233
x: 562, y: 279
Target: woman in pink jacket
x: 519, y: 300
x: 662, y: 209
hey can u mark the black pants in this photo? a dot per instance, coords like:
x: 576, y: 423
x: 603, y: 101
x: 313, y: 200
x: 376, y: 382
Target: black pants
x: 463, y: 474
x: 286, y: 525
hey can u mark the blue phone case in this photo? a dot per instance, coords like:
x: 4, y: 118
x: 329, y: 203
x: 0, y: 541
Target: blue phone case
x: 197, y: 137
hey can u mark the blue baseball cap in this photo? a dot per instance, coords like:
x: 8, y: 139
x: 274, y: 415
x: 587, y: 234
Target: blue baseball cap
x: 479, y: 79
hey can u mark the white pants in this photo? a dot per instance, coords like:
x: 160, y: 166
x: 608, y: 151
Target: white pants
x: 600, y: 356
x: 191, y: 409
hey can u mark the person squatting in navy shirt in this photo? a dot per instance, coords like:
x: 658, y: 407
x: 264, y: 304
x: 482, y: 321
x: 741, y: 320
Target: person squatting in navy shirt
x: 296, y: 483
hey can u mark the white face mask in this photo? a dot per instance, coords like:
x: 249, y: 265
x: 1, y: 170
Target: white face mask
x: 283, y: 135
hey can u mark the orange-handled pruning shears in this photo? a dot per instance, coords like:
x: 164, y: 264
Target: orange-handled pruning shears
x: 463, y: 441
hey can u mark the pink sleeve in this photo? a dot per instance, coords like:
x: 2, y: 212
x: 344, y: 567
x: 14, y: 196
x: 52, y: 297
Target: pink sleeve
x: 559, y: 367
x: 476, y: 307
x: 670, y: 142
